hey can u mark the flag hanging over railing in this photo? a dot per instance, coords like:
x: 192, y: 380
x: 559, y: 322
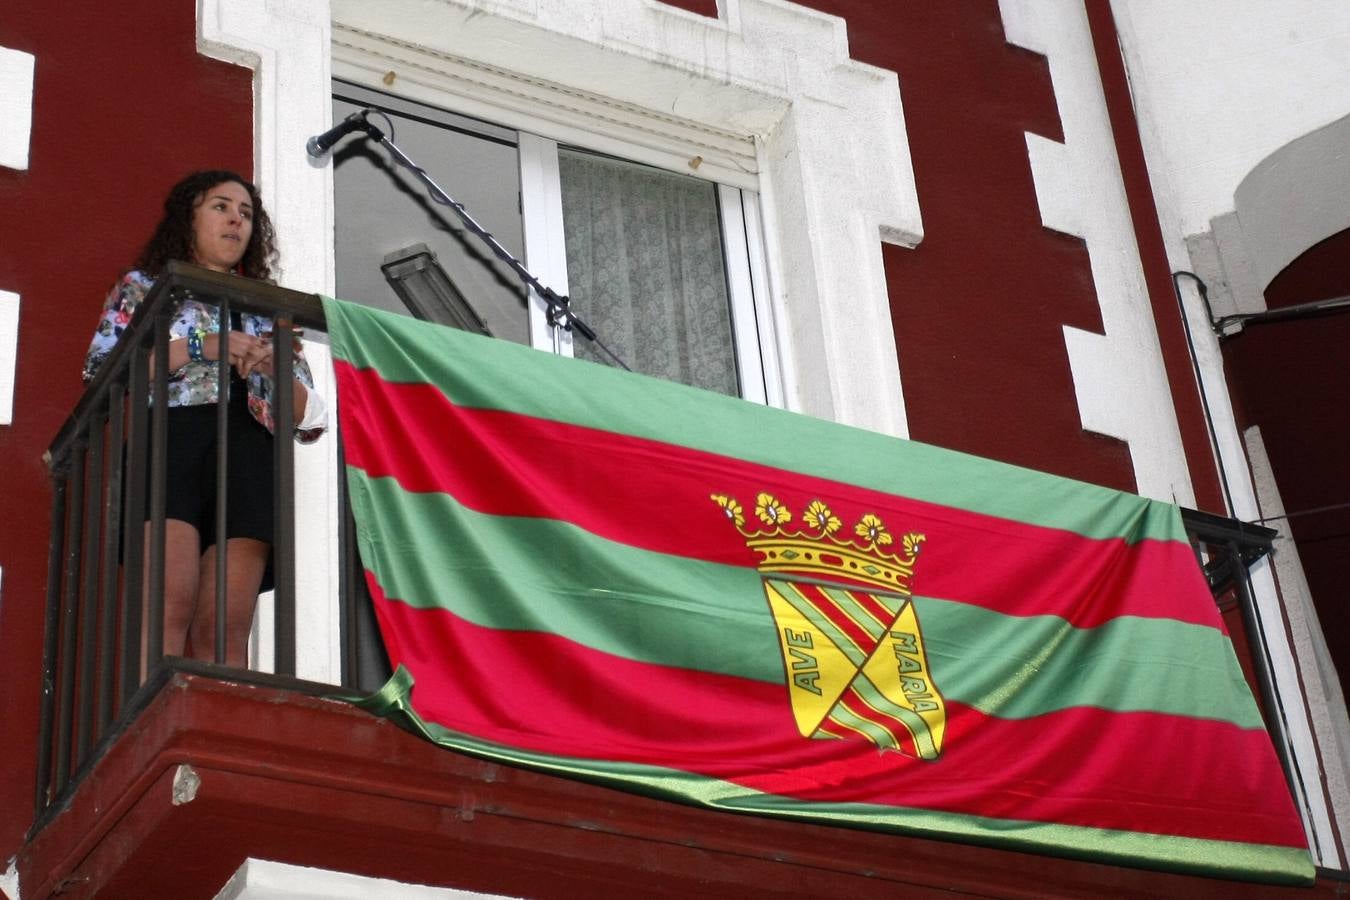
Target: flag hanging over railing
x: 625, y: 580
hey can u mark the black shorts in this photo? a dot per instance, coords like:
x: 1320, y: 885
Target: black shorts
x: 191, y: 493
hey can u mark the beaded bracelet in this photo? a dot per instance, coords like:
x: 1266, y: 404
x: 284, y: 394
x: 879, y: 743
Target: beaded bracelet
x: 194, y: 347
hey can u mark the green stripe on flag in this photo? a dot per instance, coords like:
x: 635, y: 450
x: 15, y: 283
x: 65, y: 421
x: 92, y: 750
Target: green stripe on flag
x: 480, y: 372
x: 529, y: 574
x: 1020, y: 667
x: 549, y: 576
x: 855, y: 611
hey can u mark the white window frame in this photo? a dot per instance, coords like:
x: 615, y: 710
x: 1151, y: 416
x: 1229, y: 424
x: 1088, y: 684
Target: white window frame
x: 748, y: 295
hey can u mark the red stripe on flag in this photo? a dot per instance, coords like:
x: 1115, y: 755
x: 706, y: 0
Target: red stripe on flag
x: 1144, y: 772
x: 655, y: 496
x: 863, y: 710
x: 833, y: 728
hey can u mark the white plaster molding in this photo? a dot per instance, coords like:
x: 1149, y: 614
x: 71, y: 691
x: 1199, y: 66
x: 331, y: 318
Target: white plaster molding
x: 1311, y: 713
x: 1220, y: 85
x: 286, y: 44
x: 833, y: 162
x: 1119, y: 375
x: 259, y: 879
x: 1319, y: 731
x: 9, y: 880
x: 9, y: 353
x: 16, y: 107
x: 1294, y: 198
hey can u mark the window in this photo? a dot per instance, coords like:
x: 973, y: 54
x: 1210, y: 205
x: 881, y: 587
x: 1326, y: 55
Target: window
x: 666, y: 267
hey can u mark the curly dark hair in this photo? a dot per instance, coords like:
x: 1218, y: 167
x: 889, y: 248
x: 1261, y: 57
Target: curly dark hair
x: 173, y: 235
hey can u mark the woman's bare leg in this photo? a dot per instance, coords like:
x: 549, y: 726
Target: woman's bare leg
x: 182, y: 550
x: 246, y: 562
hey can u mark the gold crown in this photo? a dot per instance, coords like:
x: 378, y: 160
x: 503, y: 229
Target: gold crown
x: 812, y: 548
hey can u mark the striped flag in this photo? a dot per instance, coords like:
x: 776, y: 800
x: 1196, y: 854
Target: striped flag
x: 629, y: 581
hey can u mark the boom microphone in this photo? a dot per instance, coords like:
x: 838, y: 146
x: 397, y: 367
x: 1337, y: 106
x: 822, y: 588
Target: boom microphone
x: 318, y: 145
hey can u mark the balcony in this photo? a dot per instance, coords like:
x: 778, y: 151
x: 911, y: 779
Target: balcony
x: 158, y: 775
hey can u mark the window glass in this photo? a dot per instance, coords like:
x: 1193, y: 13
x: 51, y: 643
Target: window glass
x: 381, y: 208
x: 646, y: 270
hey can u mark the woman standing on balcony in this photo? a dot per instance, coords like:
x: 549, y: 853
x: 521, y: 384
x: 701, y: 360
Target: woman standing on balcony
x: 214, y: 219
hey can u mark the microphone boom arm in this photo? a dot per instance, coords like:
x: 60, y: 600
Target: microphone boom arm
x: 560, y: 313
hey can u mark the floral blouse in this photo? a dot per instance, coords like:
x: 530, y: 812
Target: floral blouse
x: 196, y: 383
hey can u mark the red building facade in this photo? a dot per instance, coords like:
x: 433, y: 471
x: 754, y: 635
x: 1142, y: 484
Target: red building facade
x: 969, y: 218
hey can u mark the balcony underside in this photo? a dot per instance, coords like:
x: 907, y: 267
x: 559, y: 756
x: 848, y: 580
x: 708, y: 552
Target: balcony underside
x: 294, y: 778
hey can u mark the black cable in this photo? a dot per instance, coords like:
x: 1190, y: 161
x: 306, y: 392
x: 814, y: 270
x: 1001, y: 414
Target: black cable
x: 1200, y: 380
x: 560, y: 312
x: 1306, y: 512
x: 387, y: 121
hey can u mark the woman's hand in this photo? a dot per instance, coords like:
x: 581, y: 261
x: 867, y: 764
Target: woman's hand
x: 247, y: 353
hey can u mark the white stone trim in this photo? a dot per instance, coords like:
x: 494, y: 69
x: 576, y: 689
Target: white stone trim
x: 542, y: 220
x: 9, y: 353
x: 9, y: 880
x: 1321, y: 726
x: 832, y: 162
x: 286, y: 44
x: 1311, y: 717
x: 831, y: 158
x: 1212, y: 103
x: 260, y: 879
x: 16, y: 107
x: 1119, y: 376
x: 546, y: 108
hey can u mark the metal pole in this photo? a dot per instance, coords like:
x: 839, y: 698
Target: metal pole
x: 283, y: 486
x: 55, y: 553
x: 221, y: 593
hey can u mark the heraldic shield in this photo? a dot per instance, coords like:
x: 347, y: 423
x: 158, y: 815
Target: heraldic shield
x: 853, y: 652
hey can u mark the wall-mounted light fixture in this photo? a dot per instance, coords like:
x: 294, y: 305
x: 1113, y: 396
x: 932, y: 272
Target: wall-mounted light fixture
x: 426, y: 289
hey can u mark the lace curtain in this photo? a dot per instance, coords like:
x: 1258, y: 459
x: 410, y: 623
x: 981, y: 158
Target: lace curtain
x: 645, y: 269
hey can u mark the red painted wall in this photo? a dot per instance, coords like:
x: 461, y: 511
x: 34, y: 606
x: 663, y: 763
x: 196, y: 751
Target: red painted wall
x: 123, y: 106
x: 702, y: 7
x: 979, y: 305
x: 1291, y: 379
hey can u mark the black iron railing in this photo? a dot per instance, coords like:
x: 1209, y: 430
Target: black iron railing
x: 105, y: 577
x: 1226, y: 549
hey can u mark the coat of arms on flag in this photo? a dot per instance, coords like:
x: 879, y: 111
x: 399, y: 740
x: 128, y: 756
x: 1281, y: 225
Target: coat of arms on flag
x: 853, y: 654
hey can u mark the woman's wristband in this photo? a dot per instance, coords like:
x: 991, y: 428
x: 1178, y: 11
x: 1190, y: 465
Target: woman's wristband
x: 194, y: 346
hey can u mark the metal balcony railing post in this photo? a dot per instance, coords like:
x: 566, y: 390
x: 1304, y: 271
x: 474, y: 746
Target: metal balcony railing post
x: 65, y: 702
x: 347, y: 576
x: 222, y: 585
x: 51, y: 626
x: 112, y: 517
x: 88, y: 594
x: 159, y: 444
x: 1256, y: 642
x: 283, y: 485
x: 133, y: 523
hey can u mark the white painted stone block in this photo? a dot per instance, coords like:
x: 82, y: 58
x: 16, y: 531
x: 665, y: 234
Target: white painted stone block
x: 9, y: 353
x: 1119, y: 377
x: 259, y: 879
x: 16, y: 107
